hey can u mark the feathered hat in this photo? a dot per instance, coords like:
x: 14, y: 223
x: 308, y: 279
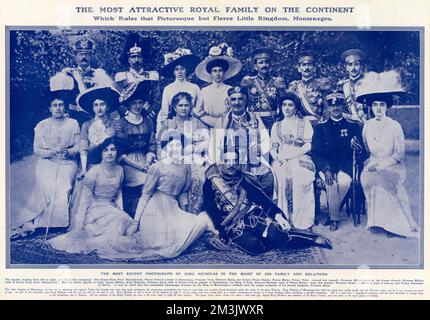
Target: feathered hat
x: 384, y: 86
x: 182, y: 57
x: 219, y: 55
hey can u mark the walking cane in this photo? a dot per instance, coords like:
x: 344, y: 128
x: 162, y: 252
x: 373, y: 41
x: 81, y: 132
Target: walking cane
x: 354, y: 173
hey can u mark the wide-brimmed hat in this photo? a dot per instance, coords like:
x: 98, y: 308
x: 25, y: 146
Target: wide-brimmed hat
x: 182, y: 57
x: 139, y: 90
x: 384, y: 86
x: 222, y: 53
x: 109, y: 95
x: 353, y: 53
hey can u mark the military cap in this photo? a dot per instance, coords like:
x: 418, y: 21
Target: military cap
x: 236, y: 89
x: 263, y: 53
x: 305, y: 55
x: 335, y: 98
x: 348, y: 54
x: 83, y: 44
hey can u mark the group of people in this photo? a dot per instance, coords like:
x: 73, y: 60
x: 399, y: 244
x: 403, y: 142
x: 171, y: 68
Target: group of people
x: 134, y: 176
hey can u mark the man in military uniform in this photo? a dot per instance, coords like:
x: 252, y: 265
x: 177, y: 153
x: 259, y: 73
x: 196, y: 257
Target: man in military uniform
x: 309, y: 89
x: 244, y: 215
x: 244, y: 132
x: 263, y: 89
x: 332, y: 151
x: 84, y: 77
x: 354, y: 67
x: 133, y: 56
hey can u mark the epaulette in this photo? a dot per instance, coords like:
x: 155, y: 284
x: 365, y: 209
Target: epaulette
x: 350, y: 121
x: 246, y: 80
x: 120, y: 76
x: 342, y: 82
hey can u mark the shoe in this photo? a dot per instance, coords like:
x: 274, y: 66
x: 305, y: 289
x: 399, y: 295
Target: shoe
x: 334, y: 225
x: 325, y: 221
x: 323, y: 242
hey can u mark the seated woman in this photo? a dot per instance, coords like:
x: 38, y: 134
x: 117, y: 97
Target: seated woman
x: 384, y: 174
x: 294, y: 170
x: 165, y: 229
x: 197, y: 137
x: 219, y: 66
x: 56, y: 143
x: 100, y: 219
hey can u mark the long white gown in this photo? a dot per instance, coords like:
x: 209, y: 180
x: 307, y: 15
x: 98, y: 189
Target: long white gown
x: 295, y: 176
x: 386, y: 197
x: 48, y: 204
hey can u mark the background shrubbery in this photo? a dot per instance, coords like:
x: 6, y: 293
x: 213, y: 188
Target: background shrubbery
x: 37, y: 55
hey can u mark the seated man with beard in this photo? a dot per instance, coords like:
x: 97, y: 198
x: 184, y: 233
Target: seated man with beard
x: 244, y: 215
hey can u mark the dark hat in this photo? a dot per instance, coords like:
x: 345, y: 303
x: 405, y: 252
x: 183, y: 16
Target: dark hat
x: 109, y: 95
x: 139, y: 90
x: 353, y: 53
x: 335, y: 98
x: 236, y: 89
x: 83, y: 44
x: 64, y: 95
x: 304, y: 55
x: 182, y: 57
x: 263, y: 53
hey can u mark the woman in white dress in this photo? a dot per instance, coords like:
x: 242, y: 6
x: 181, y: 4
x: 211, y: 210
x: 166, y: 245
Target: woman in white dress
x: 294, y: 170
x: 178, y: 65
x: 56, y: 144
x: 100, y: 220
x: 384, y: 173
x: 219, y: 66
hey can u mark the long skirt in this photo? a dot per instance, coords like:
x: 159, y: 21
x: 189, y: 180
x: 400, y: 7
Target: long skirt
x: 165, y: 231
x: 103, y: 224
x: 295, y: 191
x: 387, y: 200
x: 48, y: 204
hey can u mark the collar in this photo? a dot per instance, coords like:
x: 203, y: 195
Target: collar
x: 243, y: 115
x: 133, y: 119
x: 336, y: 120
x: 263, y: 79
x: 180, y: 81
x: 84, y: 71
x: 309, y: 80
x: 140, y: 71
x: 356, y: 78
